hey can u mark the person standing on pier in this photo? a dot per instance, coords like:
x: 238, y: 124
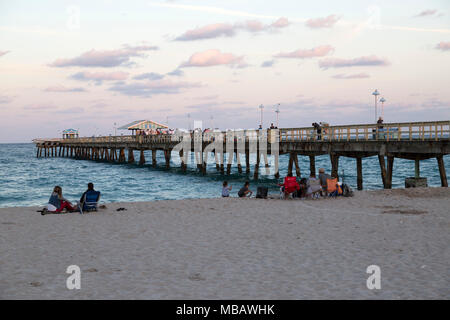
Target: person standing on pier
x: 318, y: 129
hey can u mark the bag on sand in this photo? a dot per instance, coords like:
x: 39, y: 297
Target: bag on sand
x: 261, y: 192
x: 347, y: 191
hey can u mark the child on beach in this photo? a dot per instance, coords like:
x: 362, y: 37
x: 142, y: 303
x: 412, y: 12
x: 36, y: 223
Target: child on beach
x: 226, y: 189
x: 245, y: 191
x: 57, y: 202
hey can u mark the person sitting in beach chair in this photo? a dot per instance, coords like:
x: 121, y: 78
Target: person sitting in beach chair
x: 333, y: 187
x: 57, y: 203
x: 289, y: 186
x: 89, y: 200
x: 314, y: 187
x: 245, y: 191
x: 323, y: 180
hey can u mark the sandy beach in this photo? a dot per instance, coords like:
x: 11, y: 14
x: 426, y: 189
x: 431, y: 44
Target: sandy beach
x: 234, y: 249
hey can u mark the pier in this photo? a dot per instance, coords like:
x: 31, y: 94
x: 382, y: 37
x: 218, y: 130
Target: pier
x: 413, y: 140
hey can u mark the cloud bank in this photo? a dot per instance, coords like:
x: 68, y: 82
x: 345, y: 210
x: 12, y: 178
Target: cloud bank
x: 351, y: 76
x: 214, y: 57
x: 217, y: 30
x: 99, y: 77
x: 152, y: 88
x: 361, y: 61
x: 105, y: 58
x: 319, y: 51
x: 63, y: 89
x: 444, y: 46
x: 327, y: 22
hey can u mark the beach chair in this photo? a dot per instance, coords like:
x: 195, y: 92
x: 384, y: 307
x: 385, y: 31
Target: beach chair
x: 289, y: 186
x: 90, y: 201
x: 333, y: 188
x: 314, y: 188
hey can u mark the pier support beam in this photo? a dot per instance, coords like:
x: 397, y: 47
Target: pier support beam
x: 130, y: 155
x: 359, y: 179
x: 291, y: 162
x: 154, y: 158
x: 238, y: 160
x: 334, y: 166
x: 222, y: 162
x: 183, y: 164
x: 167, y: 155
x: 247, y: 162
x: 216, y: 159
x: 229, y: 162
x: 440, y: 161
x: 382, y: 169
x: 297, y: 167
x: 417, y: 168
x: 258, y: 159
x: 277, y: 169
x: 142, y: 157
x: 390, y: 167
x: 312, y: 165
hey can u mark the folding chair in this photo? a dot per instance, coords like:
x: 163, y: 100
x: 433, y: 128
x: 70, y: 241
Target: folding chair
x: 90, y: 201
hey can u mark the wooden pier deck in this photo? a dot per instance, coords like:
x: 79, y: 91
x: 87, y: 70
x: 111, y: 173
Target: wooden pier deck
x: 413, y: 140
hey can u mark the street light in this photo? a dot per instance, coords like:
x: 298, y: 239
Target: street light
x: 115, y: 129
x: 376, y: 94
x: 277, y: 111
x: 382, y: 100
x: 261, y: 107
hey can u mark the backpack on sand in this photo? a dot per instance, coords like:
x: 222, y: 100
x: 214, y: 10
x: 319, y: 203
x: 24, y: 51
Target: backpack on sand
x: 347, y: 191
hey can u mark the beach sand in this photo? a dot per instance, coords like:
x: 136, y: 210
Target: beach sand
x: 234, y: 249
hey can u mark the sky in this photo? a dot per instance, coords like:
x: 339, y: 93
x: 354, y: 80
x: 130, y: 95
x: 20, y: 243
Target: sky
x: 97, y: 65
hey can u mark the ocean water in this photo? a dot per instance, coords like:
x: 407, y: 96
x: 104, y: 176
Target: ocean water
x: 27, y: 181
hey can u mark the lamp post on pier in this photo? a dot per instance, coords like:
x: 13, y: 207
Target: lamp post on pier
x: 382, y: 100
x: 261, y: 123
x: 277, y: 111
x: 376, y: 94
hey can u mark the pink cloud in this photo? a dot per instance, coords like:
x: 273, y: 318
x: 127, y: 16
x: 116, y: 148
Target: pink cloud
x: 152, y: 87
x: 319, y: 51
x: 100, y: 76
x: 105, y: 58
x: 351, y: 76
x: 326, y: 22
x: 208, y: 32
x: 281, y: 23
x: 213, y: 57
x: 444, y: 46
x: 429, y: 12
x: 2, y: 53
x: 253, y: 25
x: 361, y: 61
x: 217, y: 30
x: 63, y: 89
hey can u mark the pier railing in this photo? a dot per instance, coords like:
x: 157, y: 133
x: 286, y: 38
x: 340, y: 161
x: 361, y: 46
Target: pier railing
x: 409, y: 131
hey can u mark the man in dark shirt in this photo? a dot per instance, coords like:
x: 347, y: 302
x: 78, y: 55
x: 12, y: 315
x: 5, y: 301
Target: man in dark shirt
x: 245, y: 191
x: 90, y: 188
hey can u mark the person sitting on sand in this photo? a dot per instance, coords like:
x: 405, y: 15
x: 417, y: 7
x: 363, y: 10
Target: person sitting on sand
x: 323, y: 178
x: 245, y: 191
x: 226, y: 189
x: 89, y: 189
x: 57, y: 202
x: 290, y: 185
x: 314, y: 187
